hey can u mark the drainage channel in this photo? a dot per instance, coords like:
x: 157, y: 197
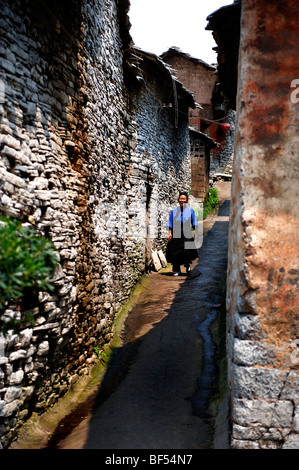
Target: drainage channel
x: 206, y: 381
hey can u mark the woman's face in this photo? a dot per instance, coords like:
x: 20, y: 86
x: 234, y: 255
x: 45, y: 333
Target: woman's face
x: 183, y: 200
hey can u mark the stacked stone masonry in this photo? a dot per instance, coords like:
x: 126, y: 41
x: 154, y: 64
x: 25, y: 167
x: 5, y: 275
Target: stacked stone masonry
x: 222, y: 158
x: 90, y: 163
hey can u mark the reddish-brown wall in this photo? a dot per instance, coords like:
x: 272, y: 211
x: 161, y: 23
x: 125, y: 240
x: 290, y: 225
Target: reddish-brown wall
x: 262, y: 302
x: 195, y: 74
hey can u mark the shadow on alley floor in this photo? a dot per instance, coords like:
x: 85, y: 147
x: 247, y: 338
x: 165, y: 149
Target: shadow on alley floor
x: 162, y: 388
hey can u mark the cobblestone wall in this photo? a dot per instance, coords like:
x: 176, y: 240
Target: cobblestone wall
x: 72, y: 165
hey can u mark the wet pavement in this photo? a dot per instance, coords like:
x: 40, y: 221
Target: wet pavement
x: 158, y: 391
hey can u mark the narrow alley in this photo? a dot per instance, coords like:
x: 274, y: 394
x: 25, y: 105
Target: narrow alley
x: 97, y: 138
x: 165, y: 400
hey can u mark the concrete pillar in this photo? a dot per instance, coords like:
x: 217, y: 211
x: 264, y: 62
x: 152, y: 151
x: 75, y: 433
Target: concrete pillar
x: 263, y: 272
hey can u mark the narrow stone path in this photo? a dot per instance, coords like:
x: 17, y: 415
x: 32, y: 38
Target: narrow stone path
x: 168, y: 363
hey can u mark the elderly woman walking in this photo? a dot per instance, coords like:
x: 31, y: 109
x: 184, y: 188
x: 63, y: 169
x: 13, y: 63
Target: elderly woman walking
x: 181, y: 248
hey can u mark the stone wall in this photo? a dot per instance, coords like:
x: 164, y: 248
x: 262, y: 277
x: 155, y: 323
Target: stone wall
x: 162, y: 156
x: 72, y: 165
x: 262, y: 299
x: 222, y: 158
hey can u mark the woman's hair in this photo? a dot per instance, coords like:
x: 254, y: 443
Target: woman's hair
x: 183, y: 193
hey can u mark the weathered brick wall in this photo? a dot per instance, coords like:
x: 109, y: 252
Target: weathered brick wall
x: 263, y: 270
x: 195, y: 74
x: 200, y: 166
x: 70, y: 145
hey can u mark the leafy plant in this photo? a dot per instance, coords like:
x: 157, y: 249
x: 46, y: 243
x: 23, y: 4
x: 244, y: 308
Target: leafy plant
x: 27, y: 264
x: 100, y: 353
x: 211, y: 202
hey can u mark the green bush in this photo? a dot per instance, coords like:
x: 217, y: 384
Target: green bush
x: 211, y: 202
x: 27, y: 264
